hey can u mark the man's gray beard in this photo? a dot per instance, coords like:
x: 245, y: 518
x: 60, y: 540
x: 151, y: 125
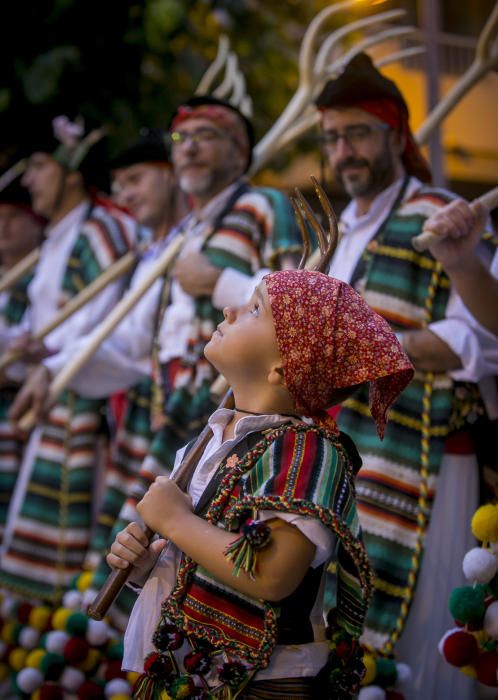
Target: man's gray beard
x: 195, y: 185
x: 359, y: 188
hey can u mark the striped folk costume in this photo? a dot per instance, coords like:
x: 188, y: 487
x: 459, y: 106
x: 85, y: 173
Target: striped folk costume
x: 15, y: 302
x: 51, y: 512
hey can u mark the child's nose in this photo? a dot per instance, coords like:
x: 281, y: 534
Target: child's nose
x: 229, y: 314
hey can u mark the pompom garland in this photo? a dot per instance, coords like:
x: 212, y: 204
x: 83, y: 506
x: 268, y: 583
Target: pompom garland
x: 51, y: 653
x: 473, y: 644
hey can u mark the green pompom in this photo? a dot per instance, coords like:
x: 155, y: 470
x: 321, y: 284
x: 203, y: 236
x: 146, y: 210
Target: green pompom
x: 52, y: 666
x: 467, y: 604
x: 114, y: 650
x: 493, y: 586
x: 386, y: 673
x: 77, y: 624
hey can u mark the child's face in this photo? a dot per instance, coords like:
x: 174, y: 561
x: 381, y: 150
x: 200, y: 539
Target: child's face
x: 245, y: 344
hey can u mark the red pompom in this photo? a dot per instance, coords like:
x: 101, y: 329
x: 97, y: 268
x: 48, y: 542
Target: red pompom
x: 113, y: 670
x: 76, y: 650
x: 394, y: 695
x: 458, y: 647
x: 51, y: 691
x: 90, y: 691
x: 486, y: 668
x: 23, y: 612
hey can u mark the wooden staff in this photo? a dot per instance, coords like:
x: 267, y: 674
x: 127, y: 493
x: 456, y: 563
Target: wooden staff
x: 19, y: 269
x: 118, y: 577
x: 423, y: 241
x: 104, y: 329
x: 120, y: 267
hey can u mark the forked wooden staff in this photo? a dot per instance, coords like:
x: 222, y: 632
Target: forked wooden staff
x: 328, y: 242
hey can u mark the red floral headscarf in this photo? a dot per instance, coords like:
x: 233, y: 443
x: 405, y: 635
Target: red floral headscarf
x: 329, y: 338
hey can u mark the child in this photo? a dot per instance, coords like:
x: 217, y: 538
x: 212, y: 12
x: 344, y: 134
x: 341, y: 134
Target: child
x: 233, y: 605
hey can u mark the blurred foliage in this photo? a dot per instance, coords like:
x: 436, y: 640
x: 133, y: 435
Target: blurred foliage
x: 129, y: 62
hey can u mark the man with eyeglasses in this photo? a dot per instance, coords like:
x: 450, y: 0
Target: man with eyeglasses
x: 368, y: 144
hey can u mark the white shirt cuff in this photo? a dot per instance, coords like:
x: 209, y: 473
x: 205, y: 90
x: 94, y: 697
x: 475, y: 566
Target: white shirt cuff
x: 462, y: 340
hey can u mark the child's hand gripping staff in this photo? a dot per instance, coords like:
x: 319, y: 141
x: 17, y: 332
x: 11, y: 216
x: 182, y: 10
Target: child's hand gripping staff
x: 118, y: 577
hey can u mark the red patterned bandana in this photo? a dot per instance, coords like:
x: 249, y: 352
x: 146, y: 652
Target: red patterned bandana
x: 221, y: 116
x: 329, y: 338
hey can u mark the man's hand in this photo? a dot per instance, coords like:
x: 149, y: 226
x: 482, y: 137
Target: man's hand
x: 459, y: 226
x: 32, y: 395
x: 196, y: 275
x: 31, y: 351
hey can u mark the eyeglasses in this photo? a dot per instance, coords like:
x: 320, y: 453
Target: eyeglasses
x: 178, y: 138
x: 353, y: 135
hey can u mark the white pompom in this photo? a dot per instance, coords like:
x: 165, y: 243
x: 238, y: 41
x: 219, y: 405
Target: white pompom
x: 490, y: 624
x: 7, y: 607
x: 118, y: 686
x: 97, y: 632
x: 29, y: 680
x: 372, y: 692
x: 404, y: 674
x: 88, y: 597
x: 72, y: 600
x: 71, y: 678
x: 56, y: 641
x: 28, y: 637
x: 479, y: 565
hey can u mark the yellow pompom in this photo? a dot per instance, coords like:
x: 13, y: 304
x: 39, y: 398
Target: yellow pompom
x: 164, y: 695
x: 370, y: 669
x: 7, y: 633
x: 39, y: 617
x: 36, y: 695
x: 131, y: 677
x: 4, y: 672
x: 91, y: 660
x: 481, y: 636
x: 84, y: 580
x: 468, y: 671
x: 33, y: 659
x: 485, y: 523
x: 59, y: 618
x: 17, y: 658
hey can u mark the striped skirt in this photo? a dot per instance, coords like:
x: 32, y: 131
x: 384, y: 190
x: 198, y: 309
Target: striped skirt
x: 280, y: 689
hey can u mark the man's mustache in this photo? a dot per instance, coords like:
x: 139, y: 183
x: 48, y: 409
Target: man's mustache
x: 351, y: 163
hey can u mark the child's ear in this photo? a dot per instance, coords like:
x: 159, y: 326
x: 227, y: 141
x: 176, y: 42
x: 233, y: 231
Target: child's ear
x: 276, y: 376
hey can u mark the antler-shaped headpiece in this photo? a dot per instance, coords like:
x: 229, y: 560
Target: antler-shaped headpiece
x: 300, y: 115
x: 233, y: 86
x: 327, y: 240
x: 486, y: 58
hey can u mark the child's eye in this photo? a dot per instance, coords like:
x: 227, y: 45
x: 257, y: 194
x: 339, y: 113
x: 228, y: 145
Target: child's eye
x: 255, y: 310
